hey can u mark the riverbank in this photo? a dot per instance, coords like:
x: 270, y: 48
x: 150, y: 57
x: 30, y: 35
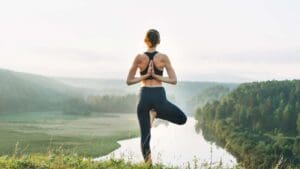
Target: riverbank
x: 259, y: 122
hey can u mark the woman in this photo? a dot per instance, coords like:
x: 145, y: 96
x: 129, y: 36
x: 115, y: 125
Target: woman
x: 152, y: 96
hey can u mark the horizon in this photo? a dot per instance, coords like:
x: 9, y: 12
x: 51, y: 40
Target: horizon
x: 103, y: 78
x: 206, y: 41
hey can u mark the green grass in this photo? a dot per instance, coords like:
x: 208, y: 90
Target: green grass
x: 67, y: 162
x: 37, y: 132
x: 58, y: 160
x: 39, y: 142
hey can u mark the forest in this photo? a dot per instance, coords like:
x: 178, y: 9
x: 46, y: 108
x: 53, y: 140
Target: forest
x: 258, y: 122
x: 101, y: 104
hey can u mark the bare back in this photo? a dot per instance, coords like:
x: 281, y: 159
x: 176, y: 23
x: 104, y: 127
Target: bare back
x: 160, y: 61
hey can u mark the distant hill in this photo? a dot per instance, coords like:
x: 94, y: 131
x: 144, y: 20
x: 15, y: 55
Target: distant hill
x: 207, y: 96
x: 21, y: 92
x: 181, y: 94
x: 93, y: 86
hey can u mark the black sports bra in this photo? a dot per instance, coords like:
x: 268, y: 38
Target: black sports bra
x: 156, y: 70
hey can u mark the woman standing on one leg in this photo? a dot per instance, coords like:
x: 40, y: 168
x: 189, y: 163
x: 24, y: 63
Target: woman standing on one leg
x: 152, y: 94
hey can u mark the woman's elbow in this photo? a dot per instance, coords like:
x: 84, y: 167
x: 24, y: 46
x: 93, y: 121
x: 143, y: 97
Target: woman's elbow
x: 174, y: 82
x: 128, y: 82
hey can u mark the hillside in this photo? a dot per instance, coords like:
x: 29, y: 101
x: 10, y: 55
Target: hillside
x: 21, y: 92
x: 258, y: 122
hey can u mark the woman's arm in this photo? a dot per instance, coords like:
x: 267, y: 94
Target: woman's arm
x: 131, y: 79
x: 172, y: 79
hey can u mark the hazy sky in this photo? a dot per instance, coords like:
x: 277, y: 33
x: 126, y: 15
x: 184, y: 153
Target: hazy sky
x: 229, y: 40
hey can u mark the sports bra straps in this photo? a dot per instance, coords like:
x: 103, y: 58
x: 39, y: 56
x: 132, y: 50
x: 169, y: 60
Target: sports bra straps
x: 156, y: 70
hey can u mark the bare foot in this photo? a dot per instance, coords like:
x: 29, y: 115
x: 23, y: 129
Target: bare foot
x: 148, y: 161
x: 152, y: 116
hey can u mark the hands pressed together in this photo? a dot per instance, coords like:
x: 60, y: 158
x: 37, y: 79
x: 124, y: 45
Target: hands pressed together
x: 151, y: 72
x: 171, y: 78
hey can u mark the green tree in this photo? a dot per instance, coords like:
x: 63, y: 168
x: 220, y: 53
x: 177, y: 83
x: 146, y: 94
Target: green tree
x: 298, y: 123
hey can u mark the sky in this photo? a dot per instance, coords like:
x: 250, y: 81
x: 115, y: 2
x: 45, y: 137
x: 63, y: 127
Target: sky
x: 206, y: 40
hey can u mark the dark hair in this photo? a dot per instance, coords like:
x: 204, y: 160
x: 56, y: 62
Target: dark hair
x: 153, y: 37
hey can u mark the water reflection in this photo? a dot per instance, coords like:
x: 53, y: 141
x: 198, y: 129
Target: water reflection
x: 175, y: 145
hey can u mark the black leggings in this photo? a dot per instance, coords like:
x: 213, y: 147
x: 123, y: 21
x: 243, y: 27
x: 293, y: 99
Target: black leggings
x: 155, y: 98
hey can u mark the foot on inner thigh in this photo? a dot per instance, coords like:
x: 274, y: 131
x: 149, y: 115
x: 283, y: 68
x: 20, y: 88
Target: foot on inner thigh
x: 152, y: 116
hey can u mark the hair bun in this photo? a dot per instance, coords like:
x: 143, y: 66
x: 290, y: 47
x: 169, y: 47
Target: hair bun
x: 153, y: 37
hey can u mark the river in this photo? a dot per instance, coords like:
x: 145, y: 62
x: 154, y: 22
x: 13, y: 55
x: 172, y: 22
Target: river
x: 175, y: 145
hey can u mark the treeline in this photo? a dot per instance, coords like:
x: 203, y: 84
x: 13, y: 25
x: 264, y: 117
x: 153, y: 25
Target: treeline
x: 101, y: 103
x: 258, y: 122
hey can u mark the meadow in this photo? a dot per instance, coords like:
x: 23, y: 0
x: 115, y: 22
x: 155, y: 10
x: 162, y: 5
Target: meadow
x: 38, y: 132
